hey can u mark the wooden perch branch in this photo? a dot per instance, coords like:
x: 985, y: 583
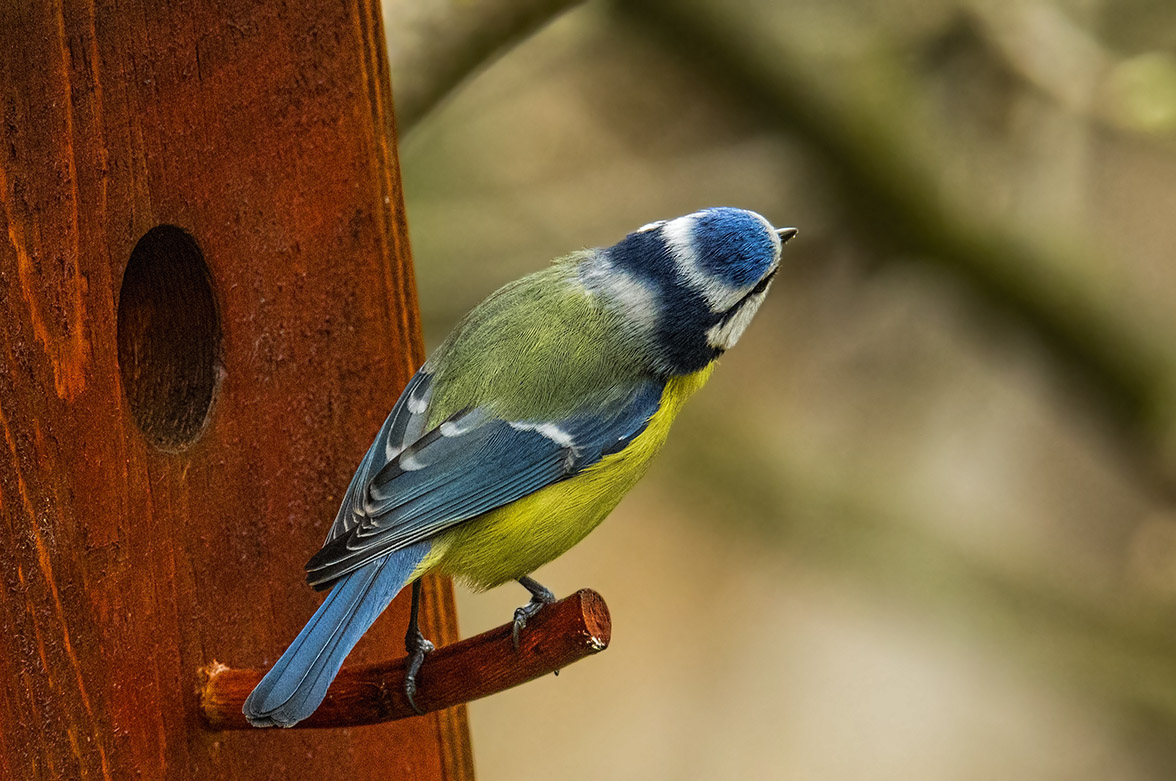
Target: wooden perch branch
x: 559, y: 635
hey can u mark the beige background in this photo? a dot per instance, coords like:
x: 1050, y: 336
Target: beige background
x: 890, y: 540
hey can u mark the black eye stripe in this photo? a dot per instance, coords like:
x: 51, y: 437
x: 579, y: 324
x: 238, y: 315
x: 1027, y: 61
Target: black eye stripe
x: 760, y: 287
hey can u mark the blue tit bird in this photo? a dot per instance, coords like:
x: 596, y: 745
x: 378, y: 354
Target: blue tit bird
x: 524, y: 429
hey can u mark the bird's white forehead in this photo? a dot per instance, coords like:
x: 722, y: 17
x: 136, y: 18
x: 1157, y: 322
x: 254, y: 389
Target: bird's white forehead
x: 777, y: 243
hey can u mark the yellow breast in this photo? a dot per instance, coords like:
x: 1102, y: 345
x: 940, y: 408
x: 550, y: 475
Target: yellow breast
x: 518, y: 538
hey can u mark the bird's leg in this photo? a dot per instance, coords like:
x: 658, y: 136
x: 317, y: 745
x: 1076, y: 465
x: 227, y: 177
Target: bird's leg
x: 417, y: 647
x: 540, y: 596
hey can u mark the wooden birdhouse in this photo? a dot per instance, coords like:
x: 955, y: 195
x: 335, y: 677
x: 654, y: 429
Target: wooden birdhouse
x: 208, y: 308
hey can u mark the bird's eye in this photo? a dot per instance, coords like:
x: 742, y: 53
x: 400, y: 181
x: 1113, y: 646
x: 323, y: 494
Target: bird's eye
x: 760, y: 287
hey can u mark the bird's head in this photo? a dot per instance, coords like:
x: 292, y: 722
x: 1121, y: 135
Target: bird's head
x: 690, y: 285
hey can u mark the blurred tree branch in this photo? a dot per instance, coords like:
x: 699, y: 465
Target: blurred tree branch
x: 888, y: 189
x: 896, y: 201
x: 434, y: 45
x: 1047, y: 49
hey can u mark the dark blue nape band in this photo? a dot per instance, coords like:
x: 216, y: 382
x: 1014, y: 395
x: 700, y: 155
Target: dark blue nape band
x: 684, y: 316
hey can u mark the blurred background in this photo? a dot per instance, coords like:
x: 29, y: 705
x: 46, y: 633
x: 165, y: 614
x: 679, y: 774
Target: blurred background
x: 920, y: 524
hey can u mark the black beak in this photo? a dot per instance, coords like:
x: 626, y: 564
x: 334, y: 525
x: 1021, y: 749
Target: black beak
x: 786, y: 233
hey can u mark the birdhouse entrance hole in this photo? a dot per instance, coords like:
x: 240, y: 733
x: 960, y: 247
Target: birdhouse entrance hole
x: 169, y: 337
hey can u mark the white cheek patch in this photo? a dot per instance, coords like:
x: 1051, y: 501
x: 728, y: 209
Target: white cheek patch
x: 678, y: 235
x: 723, y: 336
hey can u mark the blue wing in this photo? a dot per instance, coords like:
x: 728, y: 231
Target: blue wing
x: 470, y: 464
x: 404, y: 425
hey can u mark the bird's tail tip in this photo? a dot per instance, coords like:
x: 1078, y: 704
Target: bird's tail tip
x: 297, y: 683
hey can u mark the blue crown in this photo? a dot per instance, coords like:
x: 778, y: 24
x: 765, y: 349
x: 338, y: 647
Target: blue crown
x: 717, y: 253
x: 733, y: 245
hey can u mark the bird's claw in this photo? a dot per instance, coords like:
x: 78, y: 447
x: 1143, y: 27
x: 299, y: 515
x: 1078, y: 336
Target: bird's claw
x: 520, y: 623
x: 418, y: 648
x: 524, y: 614
x: 540, y: 596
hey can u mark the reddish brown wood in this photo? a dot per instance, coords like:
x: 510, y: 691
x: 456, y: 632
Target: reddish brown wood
x: 559, y: 635
x: 140, y: 538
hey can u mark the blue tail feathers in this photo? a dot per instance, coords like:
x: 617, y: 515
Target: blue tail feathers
x: 297, y: 683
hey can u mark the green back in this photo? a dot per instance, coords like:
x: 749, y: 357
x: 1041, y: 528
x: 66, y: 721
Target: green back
x: 539, y: 348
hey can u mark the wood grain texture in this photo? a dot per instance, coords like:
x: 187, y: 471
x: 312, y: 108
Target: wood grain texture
x: 561, y: 634
x: 265, y: 132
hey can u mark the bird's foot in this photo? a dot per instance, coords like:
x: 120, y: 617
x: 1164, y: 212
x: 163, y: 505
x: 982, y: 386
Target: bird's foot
x: 540, y: 597
x: 418, y: 648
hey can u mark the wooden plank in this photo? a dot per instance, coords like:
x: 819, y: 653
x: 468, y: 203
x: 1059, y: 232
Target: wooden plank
x: 130, y: 560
